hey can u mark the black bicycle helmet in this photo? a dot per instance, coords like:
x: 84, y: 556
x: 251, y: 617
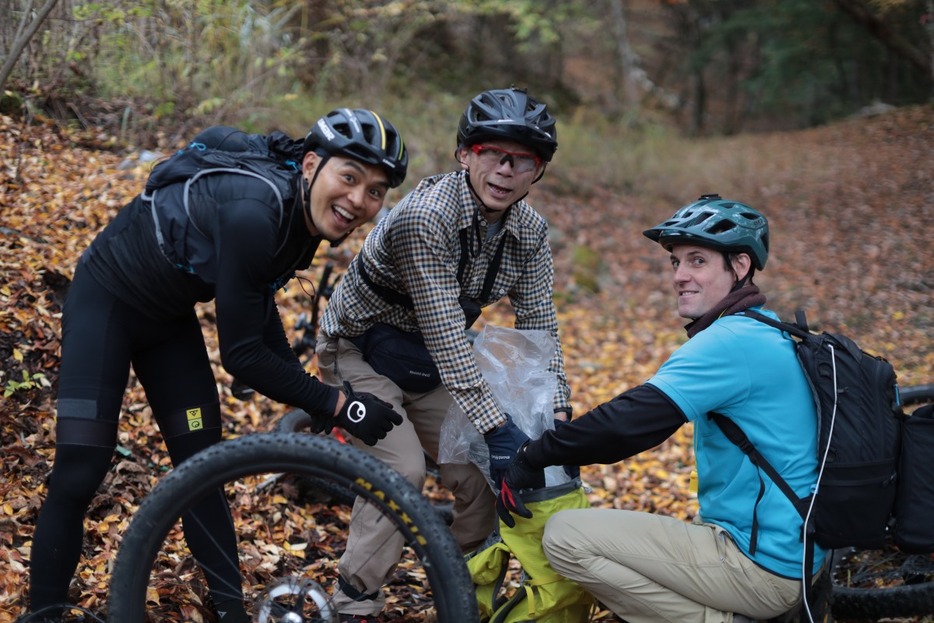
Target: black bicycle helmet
x: 714, y: 222
x: 363, y: 135
x: 510, y: 114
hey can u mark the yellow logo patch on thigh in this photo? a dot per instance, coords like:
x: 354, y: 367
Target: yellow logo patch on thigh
x: 195, y: 421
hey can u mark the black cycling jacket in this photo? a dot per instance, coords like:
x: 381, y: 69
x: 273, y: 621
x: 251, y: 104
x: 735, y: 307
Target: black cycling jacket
x: 238, y: 255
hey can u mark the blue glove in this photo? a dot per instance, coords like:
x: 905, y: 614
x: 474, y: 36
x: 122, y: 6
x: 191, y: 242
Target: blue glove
x: 519, y: 477
x: 503, y: 442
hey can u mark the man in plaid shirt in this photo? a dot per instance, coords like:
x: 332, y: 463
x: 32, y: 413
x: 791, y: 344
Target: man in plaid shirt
x: 395, y: 325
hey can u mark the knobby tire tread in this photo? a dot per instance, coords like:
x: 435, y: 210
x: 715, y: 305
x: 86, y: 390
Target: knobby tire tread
x: 287, y: 452
x: 876, y: 603
x: 895, y: 601
x: 298, y: 420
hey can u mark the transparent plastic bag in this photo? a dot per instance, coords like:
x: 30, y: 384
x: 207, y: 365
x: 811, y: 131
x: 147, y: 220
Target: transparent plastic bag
x: 514, y: 364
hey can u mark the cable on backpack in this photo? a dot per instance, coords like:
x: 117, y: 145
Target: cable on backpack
x: 805, y: 572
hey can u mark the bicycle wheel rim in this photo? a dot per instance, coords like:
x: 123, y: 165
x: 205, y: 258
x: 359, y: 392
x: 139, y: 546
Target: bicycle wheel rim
x: 155, y: 579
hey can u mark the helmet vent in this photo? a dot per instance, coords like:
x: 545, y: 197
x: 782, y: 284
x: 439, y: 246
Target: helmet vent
x: 695, y: 221
x: 721, y: 227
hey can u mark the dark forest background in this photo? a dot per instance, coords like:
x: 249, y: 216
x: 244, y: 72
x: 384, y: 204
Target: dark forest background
x: 151, y: 70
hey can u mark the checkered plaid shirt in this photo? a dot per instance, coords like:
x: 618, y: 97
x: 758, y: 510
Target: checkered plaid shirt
x: 416, y: 249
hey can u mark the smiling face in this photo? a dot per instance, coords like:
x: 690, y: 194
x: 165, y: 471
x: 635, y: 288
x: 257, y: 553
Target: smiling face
x: 498, y: 182
x: 702, y: 277
x: 346, y: 194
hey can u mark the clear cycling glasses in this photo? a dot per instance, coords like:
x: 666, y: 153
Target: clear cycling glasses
x: 522, y: 162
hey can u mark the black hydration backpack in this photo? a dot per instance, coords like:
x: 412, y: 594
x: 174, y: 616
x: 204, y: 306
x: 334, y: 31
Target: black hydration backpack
x: 859, y: 434
x: 859, y: 421
x: 275, y: 159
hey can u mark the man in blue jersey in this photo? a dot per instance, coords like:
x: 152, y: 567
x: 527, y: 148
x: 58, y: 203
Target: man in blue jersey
x: 743, y: 552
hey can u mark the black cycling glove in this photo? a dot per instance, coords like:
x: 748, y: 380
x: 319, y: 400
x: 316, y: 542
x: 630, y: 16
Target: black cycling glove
x: 365, y: 416
x: 502, y: 444
x: 519, y: 477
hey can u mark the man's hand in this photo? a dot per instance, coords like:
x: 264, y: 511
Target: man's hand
x: 365, y: 416
x: 519, y: 477
x: 502, y: 443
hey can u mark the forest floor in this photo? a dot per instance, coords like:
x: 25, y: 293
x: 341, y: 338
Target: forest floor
x: 851, y: 207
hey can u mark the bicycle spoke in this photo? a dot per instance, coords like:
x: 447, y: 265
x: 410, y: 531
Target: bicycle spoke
x: 290, y: 539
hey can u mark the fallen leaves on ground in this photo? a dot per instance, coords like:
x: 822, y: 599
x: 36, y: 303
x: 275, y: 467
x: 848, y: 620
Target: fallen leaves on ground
x: 850, y: 206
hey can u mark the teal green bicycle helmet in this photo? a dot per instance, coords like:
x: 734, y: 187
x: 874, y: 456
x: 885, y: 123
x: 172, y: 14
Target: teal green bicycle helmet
x: 721, y: 224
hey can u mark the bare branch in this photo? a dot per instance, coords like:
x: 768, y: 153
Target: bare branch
x: 20, y: 44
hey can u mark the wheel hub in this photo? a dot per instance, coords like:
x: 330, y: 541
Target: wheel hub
x: 294, y: 600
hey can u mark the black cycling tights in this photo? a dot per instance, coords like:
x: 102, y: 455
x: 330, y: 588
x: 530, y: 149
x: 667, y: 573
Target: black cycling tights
x: 101, y: 338
x: 58, y: 537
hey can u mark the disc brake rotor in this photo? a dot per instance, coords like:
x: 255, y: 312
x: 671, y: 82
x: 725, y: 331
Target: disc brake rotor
x: 294, y: 600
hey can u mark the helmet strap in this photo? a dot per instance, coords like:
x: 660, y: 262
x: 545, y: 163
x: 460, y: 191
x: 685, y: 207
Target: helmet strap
x: 541, y: 174
x: 306, y: 188
x: 736, y: 301
x: 743, y: 282
x: 745, y: 279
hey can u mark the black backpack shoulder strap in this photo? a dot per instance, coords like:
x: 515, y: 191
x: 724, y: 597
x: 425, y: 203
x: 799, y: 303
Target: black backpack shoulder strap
x: 404, y: 300
x: 492, y: 270
x: 798, y: 329
x: 735, y: 434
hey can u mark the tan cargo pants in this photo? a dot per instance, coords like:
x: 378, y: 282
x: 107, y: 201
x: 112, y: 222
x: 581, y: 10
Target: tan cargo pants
x: 651, y: 568
x: 373, y: 546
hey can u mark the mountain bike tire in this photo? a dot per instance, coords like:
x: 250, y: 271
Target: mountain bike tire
x: 874, y: 584
x: 916, y: 395
x: 323, y: 489
x: 288, y: 550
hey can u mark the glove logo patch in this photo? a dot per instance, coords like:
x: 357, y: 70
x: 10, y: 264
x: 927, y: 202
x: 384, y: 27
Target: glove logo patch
x: 356, y: 411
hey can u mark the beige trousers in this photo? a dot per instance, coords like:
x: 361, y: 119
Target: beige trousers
x: 373, y: 546
x: 649, y: 568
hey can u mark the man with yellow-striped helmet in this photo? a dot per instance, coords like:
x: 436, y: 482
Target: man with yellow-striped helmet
x: 363, y: 135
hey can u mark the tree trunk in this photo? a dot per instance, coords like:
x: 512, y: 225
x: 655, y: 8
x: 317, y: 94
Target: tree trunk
x: 698, y: 99
x: 20, y: 44
x: 930, y: 27
x: 892, y: 40
x: 625, y: 97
